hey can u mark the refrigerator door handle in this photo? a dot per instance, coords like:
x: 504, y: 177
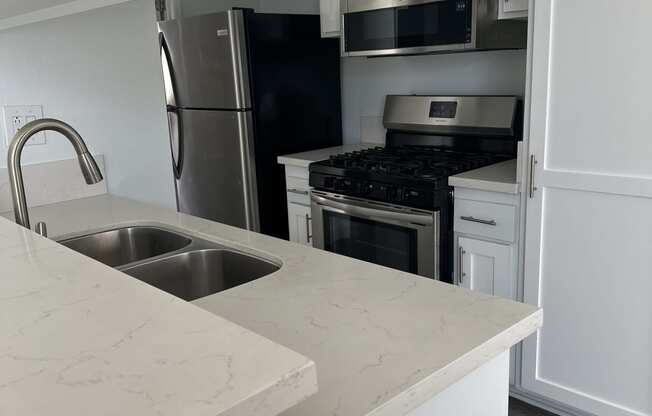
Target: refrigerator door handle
x: 240, y: 62
x: 174, y: 121
x: 176, y: 141
x: 248, y: 158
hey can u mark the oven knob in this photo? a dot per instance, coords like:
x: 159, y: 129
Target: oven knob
x: 368, y: 188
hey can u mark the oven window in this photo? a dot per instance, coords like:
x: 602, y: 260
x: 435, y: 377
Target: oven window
x: 385, y: 244
x: 432, y: 24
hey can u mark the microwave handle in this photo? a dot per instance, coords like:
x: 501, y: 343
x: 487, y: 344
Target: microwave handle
x: 363, y: 210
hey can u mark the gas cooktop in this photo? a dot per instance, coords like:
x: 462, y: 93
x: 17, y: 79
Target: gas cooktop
x: 405, y: 175
x: 408, y: 162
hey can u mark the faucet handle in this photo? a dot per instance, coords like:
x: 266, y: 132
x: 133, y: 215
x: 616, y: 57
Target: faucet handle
x: 41, y: 229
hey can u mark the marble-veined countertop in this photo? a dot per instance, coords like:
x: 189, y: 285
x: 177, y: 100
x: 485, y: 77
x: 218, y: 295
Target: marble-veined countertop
x: 384, y: 342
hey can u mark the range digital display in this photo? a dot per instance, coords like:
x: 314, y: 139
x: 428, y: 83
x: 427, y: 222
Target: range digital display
x: 443, y: 109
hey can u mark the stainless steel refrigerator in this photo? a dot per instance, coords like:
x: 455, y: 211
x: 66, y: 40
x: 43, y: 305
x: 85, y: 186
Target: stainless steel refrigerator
x: 243, y: 88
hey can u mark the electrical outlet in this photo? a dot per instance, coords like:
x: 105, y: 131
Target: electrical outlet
x: 16, y: 116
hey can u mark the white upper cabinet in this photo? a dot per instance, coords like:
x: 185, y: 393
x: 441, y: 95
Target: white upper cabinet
x: 331, y: 19
x: 512, y: 9
x: 588, y: 253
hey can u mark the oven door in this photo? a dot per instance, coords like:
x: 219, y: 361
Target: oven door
x: 398, y: 237
x: 397, y: 27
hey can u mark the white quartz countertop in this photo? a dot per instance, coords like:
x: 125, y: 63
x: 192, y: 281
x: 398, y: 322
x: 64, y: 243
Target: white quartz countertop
x: 79, y: 338
x: 384, y: 342
x: 500, y: 177
x: 304, y: 159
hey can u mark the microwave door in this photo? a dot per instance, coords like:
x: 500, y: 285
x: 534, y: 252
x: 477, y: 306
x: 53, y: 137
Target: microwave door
x: 412, y: 28
x: 400, y: 238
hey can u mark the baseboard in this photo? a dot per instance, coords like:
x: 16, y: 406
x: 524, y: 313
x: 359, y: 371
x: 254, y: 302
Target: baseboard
x: 545, y: 404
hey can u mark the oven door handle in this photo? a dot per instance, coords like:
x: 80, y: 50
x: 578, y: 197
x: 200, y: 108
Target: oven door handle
x: 386, y: 212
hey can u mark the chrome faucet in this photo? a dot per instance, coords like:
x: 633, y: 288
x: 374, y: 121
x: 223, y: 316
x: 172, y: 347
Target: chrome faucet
x: 88, y: 165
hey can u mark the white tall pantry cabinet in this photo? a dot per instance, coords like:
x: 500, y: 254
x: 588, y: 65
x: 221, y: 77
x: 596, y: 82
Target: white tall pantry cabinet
x: 588, y: 240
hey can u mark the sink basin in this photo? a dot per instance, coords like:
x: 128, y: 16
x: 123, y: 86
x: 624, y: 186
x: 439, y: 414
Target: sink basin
x: 127, y: 245
x: 201, y: 273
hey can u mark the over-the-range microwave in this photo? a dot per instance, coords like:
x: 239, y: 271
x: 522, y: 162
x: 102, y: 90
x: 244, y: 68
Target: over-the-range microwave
x: 406, y: 27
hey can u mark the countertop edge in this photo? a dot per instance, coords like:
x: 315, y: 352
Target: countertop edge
x: 431, y: 386
x: 485, y: 185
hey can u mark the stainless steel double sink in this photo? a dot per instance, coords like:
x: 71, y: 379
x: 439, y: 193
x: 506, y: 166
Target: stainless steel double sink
x: 187, y: 267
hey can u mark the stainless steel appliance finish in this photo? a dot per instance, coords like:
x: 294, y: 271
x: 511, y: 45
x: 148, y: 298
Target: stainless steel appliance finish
x: 206, y: 78
x: 127, y: 245
x: 392, y: 205
x: 184, y: 266
x: 236, y: 99
x: 480, y: 31
x: 197, y: 274
x: 88, y: 166
x: 218, y: 177
x: 479, y: 115
x: 353, y: 6
x: 205, y: 61
x: 425, y: 225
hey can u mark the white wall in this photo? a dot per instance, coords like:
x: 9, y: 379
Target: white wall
x: 99, y: 71
x: 366, y: 82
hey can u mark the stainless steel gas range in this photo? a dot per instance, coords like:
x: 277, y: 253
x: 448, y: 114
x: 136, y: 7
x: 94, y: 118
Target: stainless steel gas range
x: 392, y: 205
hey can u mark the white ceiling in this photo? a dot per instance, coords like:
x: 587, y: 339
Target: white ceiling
x: 11, y: 8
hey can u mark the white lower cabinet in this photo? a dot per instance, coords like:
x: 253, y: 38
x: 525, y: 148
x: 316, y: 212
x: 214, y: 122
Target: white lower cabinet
x: 298, y: 197
x: 300, y: 223
x: 487, y: 267
x: 486, y: 244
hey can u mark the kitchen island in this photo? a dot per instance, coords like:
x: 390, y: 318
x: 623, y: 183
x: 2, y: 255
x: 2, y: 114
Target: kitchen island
x: 384, y: 342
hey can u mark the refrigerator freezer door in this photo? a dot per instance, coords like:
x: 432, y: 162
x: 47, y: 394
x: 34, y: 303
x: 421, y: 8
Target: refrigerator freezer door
x: 208, y: 61
x: 217, y: 180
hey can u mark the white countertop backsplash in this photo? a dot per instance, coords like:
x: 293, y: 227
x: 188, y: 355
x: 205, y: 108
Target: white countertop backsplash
x: 51, y: 182
x: 383, y: 341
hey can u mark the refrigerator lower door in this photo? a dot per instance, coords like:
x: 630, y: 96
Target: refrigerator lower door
x: 216, y: 179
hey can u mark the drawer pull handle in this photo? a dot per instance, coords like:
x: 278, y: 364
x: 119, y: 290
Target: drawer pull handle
x: 308, y: 235
x: 460, y: 269
x: 298, y: 191
x: 479, y: 221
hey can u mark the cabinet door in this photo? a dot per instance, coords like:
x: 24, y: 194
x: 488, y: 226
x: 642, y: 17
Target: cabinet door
x: 331, y: 19
x: 300, y: 223
x: 489, y: 268
x: 486, y: 267
x: 588, y: 245
x: 511, y: 9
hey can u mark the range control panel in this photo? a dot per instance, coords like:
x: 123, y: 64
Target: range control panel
x: 415, y: 197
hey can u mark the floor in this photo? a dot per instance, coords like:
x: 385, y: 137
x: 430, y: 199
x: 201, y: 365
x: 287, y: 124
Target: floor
x: 518, y: 408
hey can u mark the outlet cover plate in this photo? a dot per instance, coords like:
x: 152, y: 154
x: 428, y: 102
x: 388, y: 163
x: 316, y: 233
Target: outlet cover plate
x: 16, y: 116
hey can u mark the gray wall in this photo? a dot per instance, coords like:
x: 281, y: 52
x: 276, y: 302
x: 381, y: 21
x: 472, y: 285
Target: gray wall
x: 99, y: 71
x: 366, y: 82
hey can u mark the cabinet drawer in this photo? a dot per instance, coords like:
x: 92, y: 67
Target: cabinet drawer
x: 485, y: 219
x: 296, y: 184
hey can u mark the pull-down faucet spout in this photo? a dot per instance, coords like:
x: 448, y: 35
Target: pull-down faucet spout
x: 87, y: 164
